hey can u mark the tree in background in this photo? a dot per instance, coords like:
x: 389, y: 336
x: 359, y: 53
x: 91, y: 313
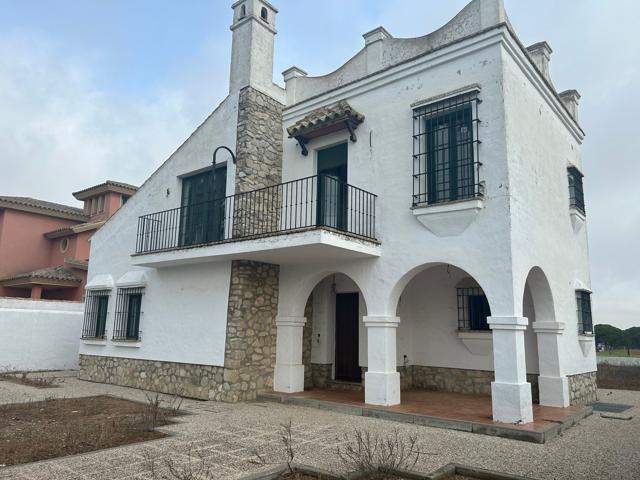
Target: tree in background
x: 613, y: 337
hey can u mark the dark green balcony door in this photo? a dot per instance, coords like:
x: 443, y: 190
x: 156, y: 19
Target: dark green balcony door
x: 203, y: 206
x: 332, y: 187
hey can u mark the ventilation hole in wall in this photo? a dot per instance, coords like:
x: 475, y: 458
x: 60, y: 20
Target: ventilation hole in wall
x: 264, y: 14
x: 243, y: 11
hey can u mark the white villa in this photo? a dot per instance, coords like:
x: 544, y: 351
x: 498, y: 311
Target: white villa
x: 413, y: 220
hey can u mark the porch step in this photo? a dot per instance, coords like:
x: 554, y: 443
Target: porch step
x: 342, y: 386
x: 514, y: 432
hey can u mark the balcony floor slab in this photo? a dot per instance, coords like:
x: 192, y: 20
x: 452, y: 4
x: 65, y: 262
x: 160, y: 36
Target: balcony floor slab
x: 311, y: 246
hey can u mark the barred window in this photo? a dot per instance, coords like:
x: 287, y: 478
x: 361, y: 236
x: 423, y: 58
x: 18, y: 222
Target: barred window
x: 128, y: 312
x: 473, y: 309
x: 445, y: 150
x: 576, y: 192
x: 583, y: 301
x: 95, y: 313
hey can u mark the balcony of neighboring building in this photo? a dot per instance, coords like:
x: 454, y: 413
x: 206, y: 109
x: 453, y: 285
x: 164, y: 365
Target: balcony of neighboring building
x: 313, y: 219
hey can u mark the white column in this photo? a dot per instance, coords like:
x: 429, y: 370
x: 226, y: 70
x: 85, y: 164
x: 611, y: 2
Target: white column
x: 510, y: 392
x: 553, y: 385
x: 382, y: 380
x: 288, y: 376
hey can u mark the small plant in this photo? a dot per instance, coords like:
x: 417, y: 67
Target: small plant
x: 372, y: 456
x: 194, y: 469
x: 153, y: 412
x: 157, y: 410
x: 286, y: 436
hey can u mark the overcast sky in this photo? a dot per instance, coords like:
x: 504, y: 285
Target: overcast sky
x: 91, y: 90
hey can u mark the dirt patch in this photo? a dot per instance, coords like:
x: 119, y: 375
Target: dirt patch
x: 59, y: 427
x: 618, y: 377
x: 37, y: 382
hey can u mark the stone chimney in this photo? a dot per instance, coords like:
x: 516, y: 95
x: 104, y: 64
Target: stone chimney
x: 570, y: 99
x: 540, y: 53
x: 254, y: 31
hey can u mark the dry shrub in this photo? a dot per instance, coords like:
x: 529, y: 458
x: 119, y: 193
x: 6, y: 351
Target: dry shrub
x: 196, y: 468
x: 371, y: 456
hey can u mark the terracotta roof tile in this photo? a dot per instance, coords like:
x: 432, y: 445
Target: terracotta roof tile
x: 50, y: 273
x: 42, y: 205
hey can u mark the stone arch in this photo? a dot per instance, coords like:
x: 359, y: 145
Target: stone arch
x: 293, y: 300
x: 542, y: 296
x: 401, y: 284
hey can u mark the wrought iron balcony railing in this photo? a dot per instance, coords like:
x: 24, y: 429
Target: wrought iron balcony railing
x: 319, y: 201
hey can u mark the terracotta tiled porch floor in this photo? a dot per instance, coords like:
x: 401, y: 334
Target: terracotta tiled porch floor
x: 456, y: 410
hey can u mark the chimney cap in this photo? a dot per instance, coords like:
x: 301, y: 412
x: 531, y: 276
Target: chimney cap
x: 571, y: 94
x: 540, y: 47
x: 378, y: 33
x: 293, y: 72
x: 266, y: 4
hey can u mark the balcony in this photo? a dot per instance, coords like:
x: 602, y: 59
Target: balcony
x: 316, y: 218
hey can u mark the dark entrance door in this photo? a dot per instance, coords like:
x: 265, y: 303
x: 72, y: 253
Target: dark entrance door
x: 347, y: 323
x: 332, y: 187
x: 202, y: 216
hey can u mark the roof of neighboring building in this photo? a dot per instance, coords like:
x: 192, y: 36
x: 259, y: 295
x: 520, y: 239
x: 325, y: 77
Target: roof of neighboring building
x: 51, y: 274
x: 42, y: 207
x: 69, y: 231
x: 108, y: 186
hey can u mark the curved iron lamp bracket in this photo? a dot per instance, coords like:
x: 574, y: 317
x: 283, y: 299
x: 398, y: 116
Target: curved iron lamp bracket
x: 222, y: 147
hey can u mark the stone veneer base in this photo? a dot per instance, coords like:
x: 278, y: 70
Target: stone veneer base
x: 204, y: 382
x: 583, y: 389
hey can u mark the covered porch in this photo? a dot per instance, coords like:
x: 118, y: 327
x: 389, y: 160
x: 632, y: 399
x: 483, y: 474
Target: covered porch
x: 458, y: 411
x: 437, y: 351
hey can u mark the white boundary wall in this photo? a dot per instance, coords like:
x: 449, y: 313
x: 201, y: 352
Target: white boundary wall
x: 39, y: 334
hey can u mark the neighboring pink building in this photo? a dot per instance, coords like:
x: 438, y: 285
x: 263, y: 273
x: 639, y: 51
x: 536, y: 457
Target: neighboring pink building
x: 44, y: 246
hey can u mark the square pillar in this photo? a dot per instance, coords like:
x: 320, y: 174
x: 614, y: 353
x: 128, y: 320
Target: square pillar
x: 288, y: 376
x: 553, y: 385
x: 36, y: 292
x: 382, y: 380
x: 510, y: 392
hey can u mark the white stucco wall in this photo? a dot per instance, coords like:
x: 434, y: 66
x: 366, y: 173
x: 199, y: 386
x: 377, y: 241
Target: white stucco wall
x: 381, y: 163
x: 542, y: 143
x: 525, y: 204
x: 39, y: 334
x: 184, y: 308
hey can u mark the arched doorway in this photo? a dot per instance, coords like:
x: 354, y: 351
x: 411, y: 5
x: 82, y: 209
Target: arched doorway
x: 332, y: 339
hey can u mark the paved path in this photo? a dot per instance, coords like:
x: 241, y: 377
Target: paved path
x: 225, y: 436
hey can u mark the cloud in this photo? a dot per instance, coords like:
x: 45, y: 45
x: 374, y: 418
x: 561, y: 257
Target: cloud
x: 59, y: 132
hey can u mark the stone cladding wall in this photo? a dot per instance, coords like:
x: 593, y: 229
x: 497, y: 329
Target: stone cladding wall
x: 583, y: 389
x: 321, y: 375
x: 259, y: 164
x: 250, y: 349
x: 194, y: 381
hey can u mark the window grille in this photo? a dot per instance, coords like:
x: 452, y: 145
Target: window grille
x: 128, y: 312
x: 576, y: 192
x: 473, y: 309
x: 446, y: 163
x: 96, y: 306
x: 583, y: 301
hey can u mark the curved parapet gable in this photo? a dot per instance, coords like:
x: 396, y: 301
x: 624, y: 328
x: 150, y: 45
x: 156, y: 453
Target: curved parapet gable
x: 382, y: 51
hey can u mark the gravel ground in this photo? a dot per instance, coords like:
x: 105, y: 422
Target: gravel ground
x: 225, y: 436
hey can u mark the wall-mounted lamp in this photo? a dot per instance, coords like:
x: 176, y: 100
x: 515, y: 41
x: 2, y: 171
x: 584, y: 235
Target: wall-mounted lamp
x: 213, y: 168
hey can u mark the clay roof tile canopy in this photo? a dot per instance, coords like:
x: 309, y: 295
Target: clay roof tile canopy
x: 57, y: 274
x: 326, y: 120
